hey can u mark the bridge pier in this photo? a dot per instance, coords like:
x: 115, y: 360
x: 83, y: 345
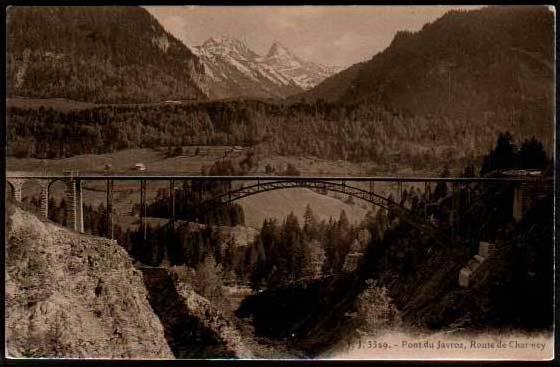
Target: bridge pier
x: 17, y: 193
x: 109, y: 207
x: 79, y: 206
x: 172, y: 199
x: 74, y: 204
x: 143, y: 207
x: 16, y: 185
x: 71, y: 212
x: 454, y: 209
x: 525, y: 194
x: 426, y: 198
x: 517, y: 203
x: 44, y: 199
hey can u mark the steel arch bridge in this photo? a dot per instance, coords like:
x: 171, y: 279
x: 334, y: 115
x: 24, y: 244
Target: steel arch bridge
x: 369, y: 196
x: 525, y: 188
x: 261, y: 187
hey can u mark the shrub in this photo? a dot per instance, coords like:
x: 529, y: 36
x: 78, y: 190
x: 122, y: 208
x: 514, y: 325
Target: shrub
x: 206, y: 280
x: 375, y: 309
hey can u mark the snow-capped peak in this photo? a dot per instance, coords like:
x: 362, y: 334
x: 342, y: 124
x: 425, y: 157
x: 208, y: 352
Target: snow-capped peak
x: 277, y: 50
x: 223, y: 40
x: 227, y: 45
x: 229, y: 61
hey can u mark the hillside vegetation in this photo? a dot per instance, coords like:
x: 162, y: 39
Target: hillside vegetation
x: 358, y: 133
x: 413, y: 274
x: 489, y: 60
x: 97, y: 54
x: 494, y: 65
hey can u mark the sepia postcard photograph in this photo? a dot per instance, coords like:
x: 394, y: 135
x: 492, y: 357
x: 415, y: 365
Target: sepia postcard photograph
x: 351, y: 182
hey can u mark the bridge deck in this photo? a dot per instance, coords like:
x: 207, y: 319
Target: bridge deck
x: 129, y: 177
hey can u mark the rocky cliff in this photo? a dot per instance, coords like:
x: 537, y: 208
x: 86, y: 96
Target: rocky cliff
x: 72, y: 295
x: 194, y: 327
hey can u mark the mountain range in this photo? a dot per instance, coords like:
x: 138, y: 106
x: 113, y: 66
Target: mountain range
x: 234, y: 70
x: 89, y: 54
x: 494, y: 65
x: 444, y: 92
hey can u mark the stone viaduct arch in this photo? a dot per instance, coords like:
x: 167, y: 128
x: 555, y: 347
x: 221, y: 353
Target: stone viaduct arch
x: 10, y: 190
x: 73, y: 194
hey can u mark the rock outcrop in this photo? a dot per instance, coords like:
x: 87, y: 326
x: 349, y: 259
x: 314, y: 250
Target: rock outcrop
x: 212, y: 318
x: 74, y: 296
x: 194, y: 328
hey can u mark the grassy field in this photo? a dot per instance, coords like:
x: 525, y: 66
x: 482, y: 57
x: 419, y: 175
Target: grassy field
x: 63, y: 104
x: 197, y: 157
x: 59, y: 104
x: 123, y: 161
x: 278, y: 204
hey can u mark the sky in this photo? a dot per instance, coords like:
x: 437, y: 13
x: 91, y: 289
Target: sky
x: 330, y: 35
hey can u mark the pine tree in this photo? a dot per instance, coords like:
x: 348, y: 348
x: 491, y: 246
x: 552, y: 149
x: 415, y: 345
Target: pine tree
x: 309, y: 223
x: 314, y: 258
x: 292, y: 242
x: 532, y: 155
x: 503, y: 156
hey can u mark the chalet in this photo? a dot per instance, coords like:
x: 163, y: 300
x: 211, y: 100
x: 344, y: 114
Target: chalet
x: 139, y: 167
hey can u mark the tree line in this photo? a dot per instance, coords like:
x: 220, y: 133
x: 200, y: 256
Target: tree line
x: 359, y: 132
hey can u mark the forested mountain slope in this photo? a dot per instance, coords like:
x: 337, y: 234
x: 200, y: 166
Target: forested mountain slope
x: 332, y: 88
x: 495, y: 63
x: 97, y: 54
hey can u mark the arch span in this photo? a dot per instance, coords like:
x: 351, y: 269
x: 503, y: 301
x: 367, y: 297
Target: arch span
x: 261, y: 187
x: 52, y: 182
x: 10, y: 190
x: 340, y: 187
